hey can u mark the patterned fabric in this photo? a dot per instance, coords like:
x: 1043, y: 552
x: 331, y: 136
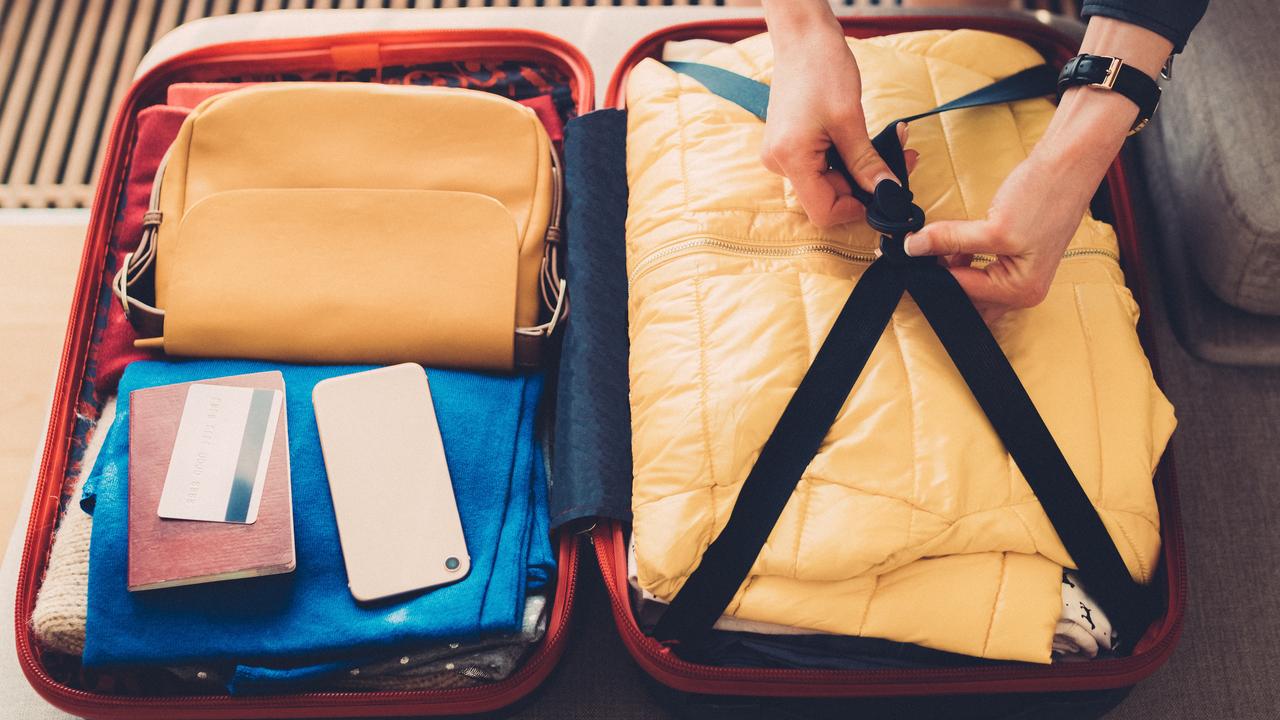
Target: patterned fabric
x: 514, y: 79
x: 593, y: 458
x: 1084, y: 632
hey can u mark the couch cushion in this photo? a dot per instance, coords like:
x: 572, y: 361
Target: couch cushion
x: 1219, y: 166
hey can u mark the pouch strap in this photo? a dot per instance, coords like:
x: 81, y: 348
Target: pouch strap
x: 551, y: 286
x: 147, y: 320
x: 816, y: 402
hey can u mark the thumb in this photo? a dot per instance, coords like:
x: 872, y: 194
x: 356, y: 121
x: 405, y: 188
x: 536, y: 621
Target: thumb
x: 950, y: 237
x: 982, y: 288
x: 860, y: 156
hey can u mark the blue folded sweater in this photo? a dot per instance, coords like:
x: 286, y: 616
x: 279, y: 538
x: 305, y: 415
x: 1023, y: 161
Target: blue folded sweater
x: 307, y: 618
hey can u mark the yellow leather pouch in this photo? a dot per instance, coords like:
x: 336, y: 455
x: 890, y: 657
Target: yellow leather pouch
x: 347, y: 222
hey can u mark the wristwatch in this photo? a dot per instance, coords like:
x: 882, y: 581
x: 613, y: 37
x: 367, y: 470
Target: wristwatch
x: 1111, y: 73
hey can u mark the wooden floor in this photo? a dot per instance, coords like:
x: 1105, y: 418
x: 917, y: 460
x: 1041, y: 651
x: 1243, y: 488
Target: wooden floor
x: 39, y: 256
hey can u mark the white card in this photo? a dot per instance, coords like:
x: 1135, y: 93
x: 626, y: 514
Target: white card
x: 219, y: 462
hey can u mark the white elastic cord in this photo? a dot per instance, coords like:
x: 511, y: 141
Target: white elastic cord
x: 551, y: 287
x: 139, y: 261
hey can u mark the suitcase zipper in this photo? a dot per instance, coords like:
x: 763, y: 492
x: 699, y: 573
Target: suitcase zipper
x: 874, y: 682
x: 470, y: 700
x: 722, y: 245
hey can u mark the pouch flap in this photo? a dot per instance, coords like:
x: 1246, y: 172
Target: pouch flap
x: 423, y: 276
x: 370, y: 136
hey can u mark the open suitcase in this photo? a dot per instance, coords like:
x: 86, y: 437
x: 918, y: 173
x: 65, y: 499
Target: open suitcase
x: 1082, y: 689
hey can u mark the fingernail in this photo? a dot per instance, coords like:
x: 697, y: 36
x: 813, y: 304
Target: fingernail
x: 912, y: 245
x: 888, y: 176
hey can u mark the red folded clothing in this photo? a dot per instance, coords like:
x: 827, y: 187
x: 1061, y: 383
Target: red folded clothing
x: 546, y: 110
x: 157, y: 127
x: 189, y: 95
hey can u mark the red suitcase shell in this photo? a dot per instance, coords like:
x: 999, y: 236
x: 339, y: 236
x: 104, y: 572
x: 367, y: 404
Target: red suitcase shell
x: 327, y: 53
x: 608, y: 537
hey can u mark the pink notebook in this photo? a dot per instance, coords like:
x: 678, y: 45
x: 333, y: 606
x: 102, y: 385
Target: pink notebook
x: 168, y: 553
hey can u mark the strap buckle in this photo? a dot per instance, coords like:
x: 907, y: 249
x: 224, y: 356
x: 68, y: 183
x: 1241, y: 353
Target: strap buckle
x: 1113, y: 71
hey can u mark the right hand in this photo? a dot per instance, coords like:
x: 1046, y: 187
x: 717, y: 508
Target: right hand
x: 815, y: 102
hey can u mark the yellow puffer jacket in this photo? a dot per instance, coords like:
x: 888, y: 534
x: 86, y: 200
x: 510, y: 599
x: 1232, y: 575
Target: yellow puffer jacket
x: 912, y: 523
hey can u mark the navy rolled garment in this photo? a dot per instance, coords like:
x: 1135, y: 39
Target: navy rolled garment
x: 592, y: 459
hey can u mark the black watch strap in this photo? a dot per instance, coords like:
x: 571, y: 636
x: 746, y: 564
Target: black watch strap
x: 1113, y: 74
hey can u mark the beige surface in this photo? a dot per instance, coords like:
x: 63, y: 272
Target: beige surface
x: 41, y: 256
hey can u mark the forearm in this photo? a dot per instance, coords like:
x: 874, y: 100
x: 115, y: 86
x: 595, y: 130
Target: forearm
x: 1091, y: 124
x: 1037, y: 209
x: 790, y: 21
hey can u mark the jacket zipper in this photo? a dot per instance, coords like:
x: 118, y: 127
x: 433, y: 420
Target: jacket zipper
x: 731, y: 247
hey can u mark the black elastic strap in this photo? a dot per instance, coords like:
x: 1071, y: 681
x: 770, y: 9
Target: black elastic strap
x: 811, y: 411
x: 1008, y: 407
x: 785, y: 455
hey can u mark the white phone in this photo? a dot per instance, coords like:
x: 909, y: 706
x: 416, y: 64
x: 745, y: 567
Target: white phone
x: 397, y: 515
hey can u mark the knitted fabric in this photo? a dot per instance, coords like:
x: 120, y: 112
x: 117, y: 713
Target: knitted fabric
x: 59, y: 615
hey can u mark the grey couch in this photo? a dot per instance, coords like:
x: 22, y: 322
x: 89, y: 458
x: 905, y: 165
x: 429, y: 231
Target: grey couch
x: 1212, y: 161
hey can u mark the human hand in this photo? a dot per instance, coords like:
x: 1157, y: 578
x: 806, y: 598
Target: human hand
x: 1032, y: 219
x: 815, y: 102
x: 1039, y: 206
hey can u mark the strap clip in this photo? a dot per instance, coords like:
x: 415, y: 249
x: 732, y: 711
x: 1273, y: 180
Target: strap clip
x: 893, y: 212
x: 897, y: 228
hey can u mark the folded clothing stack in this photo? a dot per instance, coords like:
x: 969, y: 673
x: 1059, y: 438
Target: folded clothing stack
x: 1084, y: 632
x: 302, y: 628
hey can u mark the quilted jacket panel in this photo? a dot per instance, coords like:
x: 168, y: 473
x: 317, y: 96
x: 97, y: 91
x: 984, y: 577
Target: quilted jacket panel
x: 912, y: 523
